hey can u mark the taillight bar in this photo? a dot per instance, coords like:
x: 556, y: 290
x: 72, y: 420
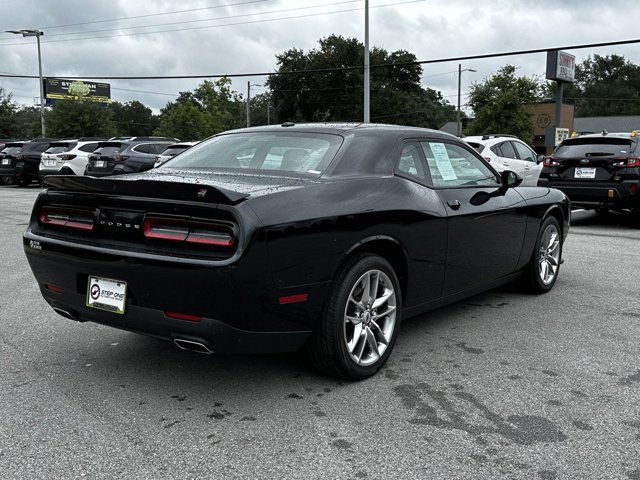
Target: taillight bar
x: 631, y: 162
x: 68, y: 217
x: 190, y: 231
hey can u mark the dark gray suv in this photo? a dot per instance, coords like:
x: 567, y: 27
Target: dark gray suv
x: 115, y: 157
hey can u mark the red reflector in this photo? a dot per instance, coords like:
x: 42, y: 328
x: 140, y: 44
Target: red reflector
x: 633, y: 188
x: 301, y: 297
x: 183, y: 316
x: 53, y: 288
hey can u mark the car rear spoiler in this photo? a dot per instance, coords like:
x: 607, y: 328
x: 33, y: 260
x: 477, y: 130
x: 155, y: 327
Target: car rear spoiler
x: 173, y: 190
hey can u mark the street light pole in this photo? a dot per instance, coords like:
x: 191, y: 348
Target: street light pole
x: 42, y: 125
x: 248, y: 104
x: 367, y: 69
x: 33, y: 32
x: 459, y: 112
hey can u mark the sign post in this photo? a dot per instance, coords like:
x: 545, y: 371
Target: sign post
x: 561, y: 67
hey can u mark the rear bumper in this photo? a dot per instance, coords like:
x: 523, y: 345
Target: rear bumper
x: 43, y: 172
x: 237, y: 304
x: 624, y: 194
x: 27, y: 169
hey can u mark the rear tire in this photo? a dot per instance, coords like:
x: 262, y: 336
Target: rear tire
x: 359, y: 327
x: 24, y: 182
x: 542, y: 271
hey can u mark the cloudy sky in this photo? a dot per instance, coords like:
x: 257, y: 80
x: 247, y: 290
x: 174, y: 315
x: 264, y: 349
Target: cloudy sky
x: 235, y: 36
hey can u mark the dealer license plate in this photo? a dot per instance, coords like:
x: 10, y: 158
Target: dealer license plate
x: 106, y: 294
x: 100, y: 164
x: 585, y: 173
x: 6, y: 161
x: 49, y: 162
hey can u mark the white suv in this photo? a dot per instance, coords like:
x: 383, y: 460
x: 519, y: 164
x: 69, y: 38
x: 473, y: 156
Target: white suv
x: 506, y: 152
x: 66, y: 157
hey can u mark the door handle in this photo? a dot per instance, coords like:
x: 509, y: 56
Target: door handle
x: 454, y: 204
x: 506, y: 164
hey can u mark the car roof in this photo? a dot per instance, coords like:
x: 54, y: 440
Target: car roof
x: 490, y: 139
x: 630, y: 135
x: 351, y: 128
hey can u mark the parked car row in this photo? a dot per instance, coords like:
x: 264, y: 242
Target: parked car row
x: 24, y: 162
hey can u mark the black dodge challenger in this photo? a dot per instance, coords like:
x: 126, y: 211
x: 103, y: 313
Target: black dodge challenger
x: 272, y: 238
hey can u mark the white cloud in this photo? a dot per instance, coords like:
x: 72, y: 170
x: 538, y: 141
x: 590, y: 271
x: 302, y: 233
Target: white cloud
x: 429, y: 29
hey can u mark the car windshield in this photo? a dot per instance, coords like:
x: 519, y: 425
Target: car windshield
x: 594, y: 147
x: 308, y: 153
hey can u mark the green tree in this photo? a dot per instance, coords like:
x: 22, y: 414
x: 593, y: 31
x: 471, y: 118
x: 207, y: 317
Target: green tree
x: 27, y: 123
x: 605, y: 85
x: 337, y: 95
x: 133, y: 118
x: 8, y: 111
x: 76, y: 118
x: 211, y: 108
x: 499, y: 104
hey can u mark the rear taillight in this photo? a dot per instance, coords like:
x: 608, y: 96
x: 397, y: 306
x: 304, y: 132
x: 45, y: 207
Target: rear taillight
x: 68, y: 217
x: 121, y: 158
x: 67, y: 156
x: 550, y: 162
x: 631, y: 162
x: 190, y: 231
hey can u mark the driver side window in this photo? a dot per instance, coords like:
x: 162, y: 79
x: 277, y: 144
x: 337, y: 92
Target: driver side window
x: 451, y: 165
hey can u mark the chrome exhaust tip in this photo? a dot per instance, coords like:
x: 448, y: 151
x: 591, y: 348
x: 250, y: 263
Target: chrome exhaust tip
x: 64, y: 313
x: 192, y: 345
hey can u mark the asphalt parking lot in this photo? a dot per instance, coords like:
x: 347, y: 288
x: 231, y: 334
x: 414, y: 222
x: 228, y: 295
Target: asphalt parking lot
x: 503, y: 385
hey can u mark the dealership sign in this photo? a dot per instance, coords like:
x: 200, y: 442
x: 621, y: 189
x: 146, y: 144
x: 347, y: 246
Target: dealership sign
x: 61, y: 89
x: 561, y: 66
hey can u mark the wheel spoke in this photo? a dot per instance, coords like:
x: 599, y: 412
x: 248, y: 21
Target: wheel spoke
x: 362, y: 341
x: 390, y: 309
x: 552, y: 240
x: 366, y: 290
x: 383, y: 338
x: 378, y: 302
x: 357, y: 336
x: 544, y: 266
x: 552, y: 261
x: 354, y: 320
x: 373, y: 293
x: 371, y: 340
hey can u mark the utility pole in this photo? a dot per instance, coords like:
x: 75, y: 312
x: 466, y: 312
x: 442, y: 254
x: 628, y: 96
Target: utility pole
x: 367, y: 99
x: 459, y: 112
x: 268, y: 114
x: 36, y: 33
x: 248, y: 104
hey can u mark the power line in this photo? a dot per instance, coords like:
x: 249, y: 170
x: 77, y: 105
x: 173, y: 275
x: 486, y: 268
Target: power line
x: 202, y: 19
x: 152, y: 15
x: 338, y: 69
x: 214, y: 26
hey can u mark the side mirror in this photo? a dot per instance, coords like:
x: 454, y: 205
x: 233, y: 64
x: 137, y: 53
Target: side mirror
x: 509, y: 180
x: 540, y: 159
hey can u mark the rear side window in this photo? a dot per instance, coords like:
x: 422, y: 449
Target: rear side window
x: 411, y: 162
x: 144, y: 148
x: 11, y: 150
x: 454, y: 166
x: 594, y: 147
x: 507, y: 150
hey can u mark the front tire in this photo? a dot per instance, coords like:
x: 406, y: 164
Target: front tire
x: 361, y: 320
x: 24, y: 182
x: 542, y: 272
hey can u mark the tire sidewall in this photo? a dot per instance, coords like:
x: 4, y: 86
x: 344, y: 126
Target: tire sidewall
x: 351, y: 275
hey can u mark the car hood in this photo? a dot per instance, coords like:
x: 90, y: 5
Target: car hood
x: 184, y: 184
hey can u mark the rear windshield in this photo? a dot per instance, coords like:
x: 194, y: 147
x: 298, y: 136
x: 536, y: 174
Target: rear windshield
x: 60, y: 147
x: 11, y: 150
x: 594, y: 147
x: 110, y: 148
x: 174, y: 150
x: 287, y: 152
x: 477, y: 146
